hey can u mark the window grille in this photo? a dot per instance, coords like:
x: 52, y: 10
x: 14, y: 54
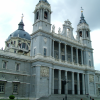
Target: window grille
x: 15, y: 88
x: 2, y: 86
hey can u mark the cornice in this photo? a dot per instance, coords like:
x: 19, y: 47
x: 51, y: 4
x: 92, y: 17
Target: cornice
x: 60, y: 37
x: 44, y: 59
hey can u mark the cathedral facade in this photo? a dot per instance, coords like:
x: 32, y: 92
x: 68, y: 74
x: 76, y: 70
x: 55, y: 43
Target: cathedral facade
x: 36, y: 65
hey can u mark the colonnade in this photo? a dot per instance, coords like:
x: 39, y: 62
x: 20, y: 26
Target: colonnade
x: 71, y: 53
x: 85, y: 77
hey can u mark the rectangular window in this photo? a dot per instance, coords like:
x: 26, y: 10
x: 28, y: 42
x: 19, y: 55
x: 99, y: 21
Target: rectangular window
x: 2, y: 86
x: 99, y: 92
x: 45, y: 51
x: 14, y: 43
x: 34, y: 51
x: 14, y: 51
x: 89, y: 63
x: 17, y: 67
x: 4, y: 64
x: 15, y: 88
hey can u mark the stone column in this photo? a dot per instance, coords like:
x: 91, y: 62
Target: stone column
x: 87, y: 83
x: 65, y: 53
x: 94, y: 86
x: 78, y: 84
x: 72, y: 82
x: 82, y: 57
x: 52, y: 81
x: 66, y: 86
x: 83, y: 83
x: 50, y: 46
x: 59, y: 51
x: 72, y: 54
x: 53, y: 48
x: 59, y: 89
x: 50, y: 73
x: 37, y: 83
x: 77, y: 55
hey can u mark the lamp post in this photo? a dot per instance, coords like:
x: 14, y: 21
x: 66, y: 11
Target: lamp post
x: 64, y: 83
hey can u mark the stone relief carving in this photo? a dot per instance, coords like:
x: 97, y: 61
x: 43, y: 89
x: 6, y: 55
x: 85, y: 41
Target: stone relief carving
x: 89, y: 54
x: 34, y: 39
x: 53, y: 28
x: 91, y: 78
x: 45, y: 40
x: 44, y: 72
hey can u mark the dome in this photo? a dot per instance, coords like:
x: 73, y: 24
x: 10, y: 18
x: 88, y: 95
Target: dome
x: 20, y: 32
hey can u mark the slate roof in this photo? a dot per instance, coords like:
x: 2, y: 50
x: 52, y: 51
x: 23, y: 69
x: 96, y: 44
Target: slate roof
x: 20, y: 32
x: 82, y: 20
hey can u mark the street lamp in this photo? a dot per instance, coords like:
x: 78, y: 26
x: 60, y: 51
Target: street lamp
x: 64, y: 83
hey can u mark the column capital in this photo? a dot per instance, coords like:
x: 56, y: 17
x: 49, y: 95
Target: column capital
x: 38, y: 65
x: 73, y: 72
x: 77, y: 48
x: 59, y: 41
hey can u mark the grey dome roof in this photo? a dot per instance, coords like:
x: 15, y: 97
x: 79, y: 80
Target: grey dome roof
x: 20, y: 32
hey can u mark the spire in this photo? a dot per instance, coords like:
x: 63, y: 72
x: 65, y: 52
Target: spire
x: 21, y: 24
x: 44, y: 1
x: 82, y: 20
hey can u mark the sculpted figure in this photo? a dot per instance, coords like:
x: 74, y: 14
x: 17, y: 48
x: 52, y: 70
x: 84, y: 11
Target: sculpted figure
x: 53, y: 29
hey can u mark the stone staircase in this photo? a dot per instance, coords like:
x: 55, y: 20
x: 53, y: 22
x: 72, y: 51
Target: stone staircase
x: 69, y: 97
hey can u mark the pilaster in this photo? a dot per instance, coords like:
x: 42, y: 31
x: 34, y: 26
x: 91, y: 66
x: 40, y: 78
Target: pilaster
x: 37, y: 80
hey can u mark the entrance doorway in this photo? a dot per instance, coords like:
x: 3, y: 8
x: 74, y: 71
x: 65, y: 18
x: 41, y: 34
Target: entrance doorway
x: 75, y: 89
x: 62, y: 88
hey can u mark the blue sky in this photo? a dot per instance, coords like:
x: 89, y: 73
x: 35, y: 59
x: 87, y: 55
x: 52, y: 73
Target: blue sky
x: 11, y: 11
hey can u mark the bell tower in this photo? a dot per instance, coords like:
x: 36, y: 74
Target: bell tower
x: 42, y: 16
x: 83, y: 31
x: 83, y: 34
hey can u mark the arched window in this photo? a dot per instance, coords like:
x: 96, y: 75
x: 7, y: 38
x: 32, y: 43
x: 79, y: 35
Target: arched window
x: 45, y: 15
x: 24, y: 45
x: 87, y: 34
x: 37, y: 15
x: 80, y: 33
x: 68, y: 30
